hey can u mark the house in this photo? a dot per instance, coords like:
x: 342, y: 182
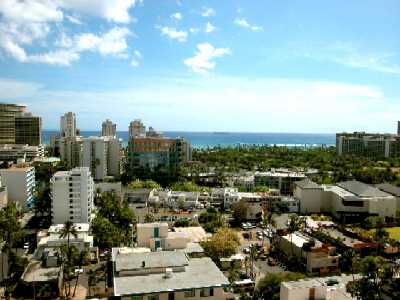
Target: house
x: 319, y: 257
x: 166, y: 275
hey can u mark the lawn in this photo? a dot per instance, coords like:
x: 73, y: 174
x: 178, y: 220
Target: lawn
x: 394, y: 232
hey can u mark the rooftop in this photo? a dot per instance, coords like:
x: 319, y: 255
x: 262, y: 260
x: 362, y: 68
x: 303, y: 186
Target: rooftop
x: 80, y: 227
x: 199, y: 273
x: 361, y: 189
x: 151, y: 225
x: 35, y: 273
x: 196, y: 234
x: 389, y: 188
x: 162, y: 259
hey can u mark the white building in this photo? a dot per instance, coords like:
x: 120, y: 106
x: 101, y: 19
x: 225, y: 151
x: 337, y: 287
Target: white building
x: 51, y: 238
x: 344, y: 200
x: 15, y: 152
x: 20, y: 183
x: 68, y: 125
x: 3, y: 195
x: 324, y: 288
x: 281, y: 179
x: 137, y: 129
x: 72, y: 196
x: 108, y: 128
x: 102, y: 155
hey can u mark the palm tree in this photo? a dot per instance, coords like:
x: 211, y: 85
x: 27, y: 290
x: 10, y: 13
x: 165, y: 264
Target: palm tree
x: 294, y: 225
x: 66, y: 232
x: 81, y: 261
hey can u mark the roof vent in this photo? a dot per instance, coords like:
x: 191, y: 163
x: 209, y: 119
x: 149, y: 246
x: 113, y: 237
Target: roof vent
x: 168, y: 272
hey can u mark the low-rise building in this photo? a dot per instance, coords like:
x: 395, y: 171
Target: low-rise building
x: 349, y: 199
x: 13, y: 152
x: 166, y: 275
x: 323, y: 288
x: 279, y: 179
x: 51, y: 239
x: 157, y: 236
x: 20, y: 183
x: 320, y: 258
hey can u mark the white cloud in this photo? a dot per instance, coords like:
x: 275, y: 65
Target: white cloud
x: 202, y: 62
x: 209, y: 28
x: 173, y: 33
x: 58, y: 57
x: 13, y: 49
x: 30, y: 11
x: 74, y: 20
x: 208, y: 12
x: 177, y: 16
x: 136, y: 57
x: 242, y: 22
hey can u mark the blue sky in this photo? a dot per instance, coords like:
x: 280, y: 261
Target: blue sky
x: 197, y: 65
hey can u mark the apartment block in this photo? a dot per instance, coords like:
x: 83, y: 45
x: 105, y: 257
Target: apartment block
x: 278, y: 179
x: 166, y: 275
x: 70, y: 151
x: 14, y: 152
x: 137, y: 129
x: 320, y: 257
x: 20, y: 183
x: 72, y: 196
x: 347, y: 200
x: 68, y: 125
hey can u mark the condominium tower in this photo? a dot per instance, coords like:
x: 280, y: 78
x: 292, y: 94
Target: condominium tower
x: 68, y: 125
x: 108, y: 128
x: 136, y: 129
x: 72, y: 196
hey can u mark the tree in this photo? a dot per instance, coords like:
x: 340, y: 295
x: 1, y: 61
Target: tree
x: 149, y: 218
x: 82, y: 258
x: 223, y: 243
x: 105, y: 233
x: 269, y: 286
x: 211, y: 220
x: 295, y: 223
x: 239, y: 212
x: 67, y: 231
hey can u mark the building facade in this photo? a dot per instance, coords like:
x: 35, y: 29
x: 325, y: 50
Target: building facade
x: 17, y: 126
x: 20, y: 183
x: 137, y: 129
x: 72, y: 196
x: 68, y: 125
x: 372, y: 146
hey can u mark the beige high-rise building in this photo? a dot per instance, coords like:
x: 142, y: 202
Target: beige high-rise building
x: 68, y: 125
x: 137, y: 129
x: 108, y: 128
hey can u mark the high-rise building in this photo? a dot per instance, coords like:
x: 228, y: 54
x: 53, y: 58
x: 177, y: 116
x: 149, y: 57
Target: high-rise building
x: 137, y: 129
x: 70, y: 151
x: 72, y: 196
x: 20, y: 183
x: 398, y: 127
x: 108, y: 128
x: 102, y: 155
x: 368, y: 145
x: 28, y: 130
x: 68, y: 125
x: 17, y: 126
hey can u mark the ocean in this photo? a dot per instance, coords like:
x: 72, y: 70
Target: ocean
x: 231, y: 139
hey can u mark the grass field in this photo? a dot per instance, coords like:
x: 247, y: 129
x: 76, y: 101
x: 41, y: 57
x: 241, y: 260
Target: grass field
x: 394, y: 232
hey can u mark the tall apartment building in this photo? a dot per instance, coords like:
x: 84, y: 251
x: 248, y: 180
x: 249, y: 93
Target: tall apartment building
x: 158, y: 153
x: 17, y: 126
x: 368, y: 145
x: 108, y: 128
x: 68, y: 125
x: 72, y: 196
x: 20, y: 183
x: 102, y: 155
x: 137, y: 129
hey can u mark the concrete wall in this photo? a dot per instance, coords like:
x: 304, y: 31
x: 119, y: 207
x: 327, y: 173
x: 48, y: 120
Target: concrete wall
x: 145, y: 234
x: 20, y: 185
x: 310, y: 200
x: 219, y: 294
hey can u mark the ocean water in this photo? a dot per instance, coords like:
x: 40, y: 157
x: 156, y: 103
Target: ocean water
x: 227, y: 139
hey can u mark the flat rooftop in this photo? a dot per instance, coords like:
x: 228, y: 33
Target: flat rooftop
x: 35, y: 273
x: 151, y: 225
x: 319, y: 281
x: 196, y: 234
x: 199, y: 273
x: 149, y: 260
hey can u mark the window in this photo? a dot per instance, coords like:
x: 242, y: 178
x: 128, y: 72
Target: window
x: 207, y: 292
x: 152, y: 297
x: 190, y: 293
x: 156, y: 232
x: 137, y: 298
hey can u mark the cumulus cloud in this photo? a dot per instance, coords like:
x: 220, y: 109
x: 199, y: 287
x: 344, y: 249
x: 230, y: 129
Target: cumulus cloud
x: 74, y: 20
x: 174, y: 34
x: 177, y: 16
x: 208, y: 12
x: 242, y: 22
x: 209, y: 28
x: 203, y: 60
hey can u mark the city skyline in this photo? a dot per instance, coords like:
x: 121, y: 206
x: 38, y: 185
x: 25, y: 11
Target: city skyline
x: 204, y: 66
